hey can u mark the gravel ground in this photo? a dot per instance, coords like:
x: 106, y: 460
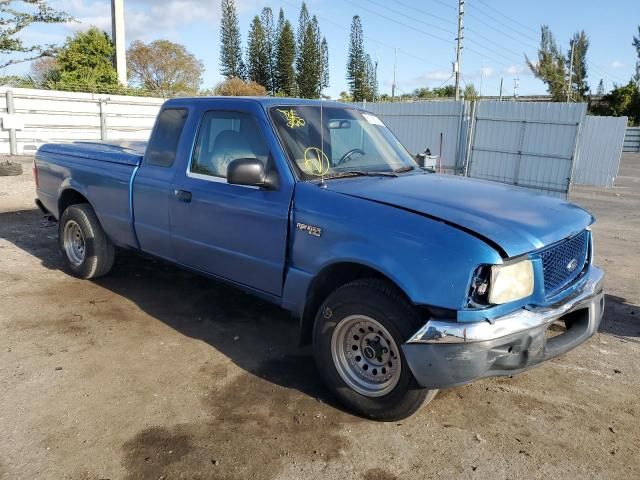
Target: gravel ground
x: 152, y: 372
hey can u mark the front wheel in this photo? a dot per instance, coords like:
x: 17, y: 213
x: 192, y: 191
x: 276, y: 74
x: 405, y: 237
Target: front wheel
x: 357, y: 337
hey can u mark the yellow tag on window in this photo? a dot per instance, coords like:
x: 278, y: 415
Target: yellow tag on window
x: 293, y: 120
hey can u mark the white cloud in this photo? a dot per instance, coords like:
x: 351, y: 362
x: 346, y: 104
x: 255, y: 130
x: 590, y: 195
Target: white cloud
x: 519, y: 70
x: 437, y: 75
x: 144, y: 19
x: 616, y: 64
x: 487, y: 72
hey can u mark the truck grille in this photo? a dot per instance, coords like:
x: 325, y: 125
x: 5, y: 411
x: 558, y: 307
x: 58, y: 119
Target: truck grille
x: 564, y: 262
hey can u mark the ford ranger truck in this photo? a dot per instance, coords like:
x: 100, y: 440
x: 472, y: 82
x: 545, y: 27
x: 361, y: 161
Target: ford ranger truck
x: 404, y: 281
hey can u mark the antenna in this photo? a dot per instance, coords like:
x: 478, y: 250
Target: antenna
x: 322, y: 148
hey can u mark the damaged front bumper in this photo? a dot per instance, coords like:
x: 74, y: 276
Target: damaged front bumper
x: 446, y: 354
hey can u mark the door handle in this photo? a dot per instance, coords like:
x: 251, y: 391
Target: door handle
x: 182, y: 195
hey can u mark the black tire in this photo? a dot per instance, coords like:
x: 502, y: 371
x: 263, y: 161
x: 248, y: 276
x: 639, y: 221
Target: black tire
x: 99, y: 252
x: 382, y: 302
x: 10, y: 169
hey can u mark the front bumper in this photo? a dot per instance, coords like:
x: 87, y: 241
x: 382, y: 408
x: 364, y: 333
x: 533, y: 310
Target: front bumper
x: 446, y: 354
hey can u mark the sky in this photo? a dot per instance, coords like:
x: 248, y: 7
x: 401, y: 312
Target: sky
x: 497, y: 35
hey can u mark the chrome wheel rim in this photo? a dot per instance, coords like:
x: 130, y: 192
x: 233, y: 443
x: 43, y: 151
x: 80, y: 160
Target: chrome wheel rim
x: 365, y: 355
x: 73, y: 242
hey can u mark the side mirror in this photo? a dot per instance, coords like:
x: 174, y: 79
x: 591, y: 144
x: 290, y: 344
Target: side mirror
x: 248, y: 171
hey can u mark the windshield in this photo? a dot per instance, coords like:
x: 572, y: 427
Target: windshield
x: 336, y: 141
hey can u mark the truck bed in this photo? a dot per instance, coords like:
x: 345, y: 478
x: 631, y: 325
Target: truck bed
x: 126, y: 153
x: 101, y: 172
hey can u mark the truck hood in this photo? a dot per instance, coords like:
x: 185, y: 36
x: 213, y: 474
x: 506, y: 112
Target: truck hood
x: 512, y: 219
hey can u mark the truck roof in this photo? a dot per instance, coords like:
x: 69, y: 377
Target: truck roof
x: 264, y: 101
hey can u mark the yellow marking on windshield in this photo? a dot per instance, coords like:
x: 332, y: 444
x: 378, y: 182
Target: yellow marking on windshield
x: 318, y: 164
x: 293, y: 120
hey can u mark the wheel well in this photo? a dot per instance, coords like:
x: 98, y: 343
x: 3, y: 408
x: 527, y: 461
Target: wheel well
x: 327, y: 281
x: 69, y: 197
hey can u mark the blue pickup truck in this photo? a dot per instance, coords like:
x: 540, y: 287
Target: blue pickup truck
x: 404, y: 281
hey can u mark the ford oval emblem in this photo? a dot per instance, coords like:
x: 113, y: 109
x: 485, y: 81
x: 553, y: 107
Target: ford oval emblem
x: 571, y: 266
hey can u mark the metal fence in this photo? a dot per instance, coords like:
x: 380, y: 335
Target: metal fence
x: 632, y: 140
x: 32, y: 117
x: 530, y: 145
x: 440, y: 126
x: 599, y: 150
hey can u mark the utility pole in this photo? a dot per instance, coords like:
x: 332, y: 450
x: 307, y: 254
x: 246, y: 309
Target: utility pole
x: 395, y: 65
x: 516, y: 84
x: 569, y: 87
x: 501, y: 81
x: 456, y: 66
x: 117, y: 35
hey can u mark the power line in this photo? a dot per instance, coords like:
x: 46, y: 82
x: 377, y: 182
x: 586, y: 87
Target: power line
x: 501, y: 23
x: 422, y: 32
x: 459, y: 38
x: 507, y: 17
x: 370, y: 39
x: 423, y: 12
x: 437, y: 27
x: 398, y: 22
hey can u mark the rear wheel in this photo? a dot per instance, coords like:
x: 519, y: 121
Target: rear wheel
x: 357, y: 337
x: 86, y: 249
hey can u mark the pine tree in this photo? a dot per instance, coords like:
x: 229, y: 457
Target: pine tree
x: 270, y: 35
x: 324, y: 53
x: 600, y: 90
x: 280, y: 25
x: 372, y: 79
x: 285, y: 57
x: 550, y: 65
x: 308, y: 71
x: 231, y: 64
x: 579, y: 47
x: 357, y: 62
x: 636, y: 44
x: 257, y: 57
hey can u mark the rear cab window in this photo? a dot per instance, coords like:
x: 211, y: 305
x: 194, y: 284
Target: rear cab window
x: 163, y: 144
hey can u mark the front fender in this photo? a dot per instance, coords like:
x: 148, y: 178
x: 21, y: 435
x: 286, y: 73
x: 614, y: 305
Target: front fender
x: 432, y: 262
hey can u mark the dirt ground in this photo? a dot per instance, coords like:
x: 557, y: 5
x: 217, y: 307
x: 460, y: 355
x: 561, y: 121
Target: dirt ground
x: 152, y: 372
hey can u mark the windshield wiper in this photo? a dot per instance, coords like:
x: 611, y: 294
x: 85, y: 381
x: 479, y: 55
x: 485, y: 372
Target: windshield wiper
x: 360, y: 173
x: 407, y: 168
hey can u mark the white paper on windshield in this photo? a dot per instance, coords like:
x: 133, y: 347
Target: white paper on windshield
x: 372, y: 119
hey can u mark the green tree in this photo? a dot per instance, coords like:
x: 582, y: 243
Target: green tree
x: 621, y: 101
x: 237, y: 87
x: 308, y: 58
x: 600, y: 90
x: 324, y: 53
x: 470, y: 93
x: 636, y: 44
x: 15, y: 16
x: 345, y: 97
x: 164, y: 68
x: 579, y: 46
x: 271, y: 37
x: 257, y: 54
x: 231, y: 62
x: 356, y: 62
x: 550, y: 65
x: 285, y: 57
x: 447, y: 91
x: 85, y: 62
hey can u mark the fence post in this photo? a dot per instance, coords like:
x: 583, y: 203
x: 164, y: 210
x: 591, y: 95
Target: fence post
x: 471, y: 132
x: 13, y: 144
x: 103, y: 120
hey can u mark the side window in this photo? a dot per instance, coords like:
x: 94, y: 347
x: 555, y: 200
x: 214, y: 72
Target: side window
x: 164, y: 142
x: 224, y: 137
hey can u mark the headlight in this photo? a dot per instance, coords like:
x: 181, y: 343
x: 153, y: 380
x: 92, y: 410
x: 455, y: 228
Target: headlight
x: 510, y: 282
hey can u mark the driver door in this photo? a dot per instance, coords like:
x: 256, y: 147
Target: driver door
x: 235, y: 232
